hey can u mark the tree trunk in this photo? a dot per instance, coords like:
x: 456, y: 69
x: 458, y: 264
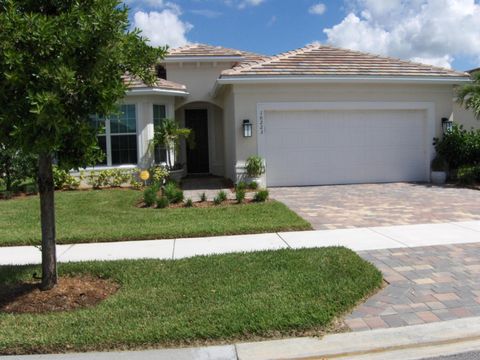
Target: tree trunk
x: 47, y: 215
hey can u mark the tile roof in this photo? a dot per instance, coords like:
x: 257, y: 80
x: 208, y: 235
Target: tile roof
x: 203, y: 50
x: 322, y: 60
x: 136, y: 83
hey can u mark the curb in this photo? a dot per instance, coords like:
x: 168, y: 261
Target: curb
x: 404, y: 343
x: 381, y: 344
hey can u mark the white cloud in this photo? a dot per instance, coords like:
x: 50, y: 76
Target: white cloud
x: 429, y: 31
x: 163, y: 28
x: 317, y: 9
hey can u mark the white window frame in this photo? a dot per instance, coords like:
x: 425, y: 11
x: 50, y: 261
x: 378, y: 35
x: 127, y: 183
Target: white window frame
x: 108, y: 135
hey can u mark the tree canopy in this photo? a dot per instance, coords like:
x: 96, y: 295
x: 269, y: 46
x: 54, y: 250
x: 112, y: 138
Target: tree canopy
x: 469, y: 95
x: 62, y: 61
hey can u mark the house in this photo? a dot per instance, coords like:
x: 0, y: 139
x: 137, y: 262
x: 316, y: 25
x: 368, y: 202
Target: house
x: 320, y: 115
x: 463, y: 116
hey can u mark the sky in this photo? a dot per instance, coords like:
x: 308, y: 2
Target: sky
x: 439, y: 32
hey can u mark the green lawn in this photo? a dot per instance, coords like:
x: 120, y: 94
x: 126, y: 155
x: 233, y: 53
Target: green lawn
x: 111, y: 215
x: 197, y: 300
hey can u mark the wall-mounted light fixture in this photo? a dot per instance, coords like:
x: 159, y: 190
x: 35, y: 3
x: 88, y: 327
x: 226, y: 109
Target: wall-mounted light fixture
x: 247, y: 128
x: 447, y: 125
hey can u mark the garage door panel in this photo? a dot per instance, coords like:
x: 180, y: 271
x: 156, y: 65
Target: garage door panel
x: 340, y: 147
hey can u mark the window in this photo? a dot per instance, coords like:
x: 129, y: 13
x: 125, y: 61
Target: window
x: 161, y: 72
x: 159, y: 113
x: 117, y: 136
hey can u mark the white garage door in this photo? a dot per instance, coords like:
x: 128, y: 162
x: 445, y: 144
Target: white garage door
x: 343, y: 147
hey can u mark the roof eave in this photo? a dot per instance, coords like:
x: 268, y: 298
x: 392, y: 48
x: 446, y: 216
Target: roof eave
x: 236, y: 79
x: 157, y: 91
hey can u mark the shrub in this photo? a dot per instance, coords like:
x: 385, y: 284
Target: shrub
x: 31, y: 188
x: 158, y: 174
x: 468, y: 175
x: 111, y: 178
x: 242, y: 185
x: 6, y: 194
x: 254, y: 166
x: 189, y: 203
x: 95, y: 179
x: 217, y: 200
x: 150, y: 196
x: 162, y: 202
x: 203, y: 197
x: 173, y: 193
x: 63, y: 180
x: 459, y: 147
x: 119, y: 177
x: 439, y: 164
x: 240, y: 195
x: 253, y: 185
x: 135, y: 184
x: 16, y: 167
x: 222, y: 195
x: 261, y: 196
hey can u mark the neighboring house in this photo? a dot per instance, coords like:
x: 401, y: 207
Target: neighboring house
x: 463, y: 116
x: 320, y: 115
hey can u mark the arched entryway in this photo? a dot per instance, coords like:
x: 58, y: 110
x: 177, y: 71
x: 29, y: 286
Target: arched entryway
x: 206, y: 155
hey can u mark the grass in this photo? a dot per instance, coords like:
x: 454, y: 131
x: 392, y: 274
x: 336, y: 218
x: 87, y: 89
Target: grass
x: 111, y: 215
x: 196, y: 301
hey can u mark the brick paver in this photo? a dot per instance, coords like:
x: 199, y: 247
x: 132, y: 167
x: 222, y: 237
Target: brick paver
x: 451, y: 292
x: 365, y: 205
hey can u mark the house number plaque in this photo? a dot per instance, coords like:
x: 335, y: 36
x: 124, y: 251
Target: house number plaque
x: 261, y: 123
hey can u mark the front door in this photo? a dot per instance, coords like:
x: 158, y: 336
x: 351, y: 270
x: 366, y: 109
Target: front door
x: 197, y: 156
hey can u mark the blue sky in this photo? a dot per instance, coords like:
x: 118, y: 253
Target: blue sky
x: 440, y: 32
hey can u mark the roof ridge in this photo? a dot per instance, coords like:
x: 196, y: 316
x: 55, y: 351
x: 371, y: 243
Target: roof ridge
x: 247, y: 65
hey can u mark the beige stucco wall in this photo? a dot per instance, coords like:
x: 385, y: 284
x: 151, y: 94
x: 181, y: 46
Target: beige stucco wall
x: 229, y: 131
x: 246, y: 98
x: 465, y: 117
x: 199, y: 78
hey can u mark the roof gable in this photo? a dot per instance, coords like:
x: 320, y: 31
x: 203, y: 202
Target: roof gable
x: 322, y: 60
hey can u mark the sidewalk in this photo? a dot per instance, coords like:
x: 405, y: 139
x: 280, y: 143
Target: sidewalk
x: 359, y: 239
x: 408, y: 343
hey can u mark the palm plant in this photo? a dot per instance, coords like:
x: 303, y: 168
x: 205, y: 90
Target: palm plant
x: 168, y: 134
x: 469, y: 95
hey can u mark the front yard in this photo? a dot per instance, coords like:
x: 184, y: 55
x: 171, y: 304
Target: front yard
x: 112, y: 215
x: 199, y: 300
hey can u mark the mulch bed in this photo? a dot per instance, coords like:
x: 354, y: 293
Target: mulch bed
x: 71, y: 293
x: 201, y: 204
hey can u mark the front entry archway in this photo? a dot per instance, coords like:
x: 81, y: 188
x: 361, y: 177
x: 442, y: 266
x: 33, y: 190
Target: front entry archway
x: 197, y: 155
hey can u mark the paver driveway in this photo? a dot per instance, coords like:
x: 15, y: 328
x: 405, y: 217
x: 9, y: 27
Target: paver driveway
x: 365, y: 205
x: 426, y: 284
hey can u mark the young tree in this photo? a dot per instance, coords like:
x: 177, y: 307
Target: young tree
x: 469, y: 95
x: 169, y: 134
x: 60, y: 62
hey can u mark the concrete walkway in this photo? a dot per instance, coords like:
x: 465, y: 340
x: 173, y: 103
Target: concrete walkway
x: 360, y: 239
x: 408, y: 343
